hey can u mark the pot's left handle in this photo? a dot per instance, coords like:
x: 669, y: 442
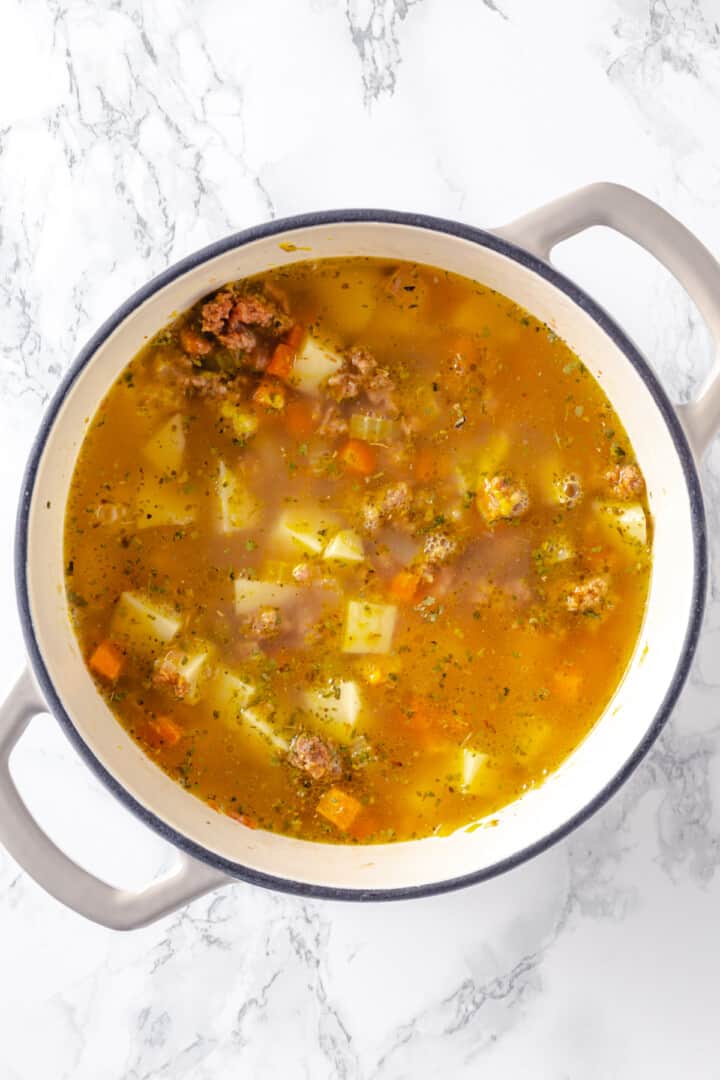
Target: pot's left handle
x: 654, y: 229
x: 36, y: 853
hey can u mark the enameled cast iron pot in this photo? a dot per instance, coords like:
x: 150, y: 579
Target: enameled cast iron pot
x: 212, y: 849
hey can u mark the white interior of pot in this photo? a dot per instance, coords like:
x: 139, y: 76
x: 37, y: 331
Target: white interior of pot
x: 595, y: 762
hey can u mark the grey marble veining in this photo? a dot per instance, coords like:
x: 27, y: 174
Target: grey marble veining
x: 132, y: 133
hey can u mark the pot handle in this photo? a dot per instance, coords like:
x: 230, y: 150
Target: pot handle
x: 51, y: 868
x: 643, y: 221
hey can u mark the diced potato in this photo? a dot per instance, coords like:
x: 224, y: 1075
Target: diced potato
x: 256, y: 719
x: 304, y: 529
x: 314, y: 363
x: 163, y: 504
x: 243, y: 422
x: 492, y: 453
x: 348, y: 302
x: 337, y: 705
x: 369, y: 627
x: 473, y: 769
x: 555, y: 550
x: 534, y: 738
x: 239, y: 508
x: 184, y: 672
x: 144, y: 626
x: 229, y: 694
x: 166, y: 447
x: 490, y: 457
x: 626, y: 520
x: 471, y: 315
x: 557, y: 485
x: 278, y: 572
x: 346, y: 546
x: 251, y: 594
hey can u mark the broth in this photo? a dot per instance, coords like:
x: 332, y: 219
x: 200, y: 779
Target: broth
x: 357, y: 550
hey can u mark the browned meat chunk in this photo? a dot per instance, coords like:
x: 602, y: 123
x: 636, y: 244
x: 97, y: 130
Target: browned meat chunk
x: 392, y: 503
x: 361, y: 374
x: 253, y: 309
x: 265, y: 623
x: 345, y: 385
x: 439, y: 548
x: 502, y: 498
x: 333, y: 423
x: 315, y: 757
x: 588, y: 597
x: 626, y: 481
x: 193, y: 342
x: 237, y: 336
x: 167, y: 675
x: 230, y: 318
x: 215, y: 312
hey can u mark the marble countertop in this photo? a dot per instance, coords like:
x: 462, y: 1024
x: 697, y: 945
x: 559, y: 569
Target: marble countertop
x: 132, y: 133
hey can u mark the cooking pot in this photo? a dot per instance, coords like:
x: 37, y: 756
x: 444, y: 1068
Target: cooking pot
x: 212, y: 849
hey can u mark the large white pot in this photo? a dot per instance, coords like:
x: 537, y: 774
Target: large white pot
x: 212, y: 848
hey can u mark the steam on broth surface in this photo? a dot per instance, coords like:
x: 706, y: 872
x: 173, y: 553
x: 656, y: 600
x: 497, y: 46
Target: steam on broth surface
x: 357, y: 550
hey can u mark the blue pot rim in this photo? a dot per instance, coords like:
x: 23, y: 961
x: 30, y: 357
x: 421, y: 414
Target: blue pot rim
x: 610, y: 328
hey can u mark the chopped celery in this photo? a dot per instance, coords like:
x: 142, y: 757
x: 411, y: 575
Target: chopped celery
x: 166, y: 447
x: 345, y: 545
x: 373, y: 429
x: 626, y: 520
x: 256, y: 718
x: 337, y: 705
x: 142, y: 625
x: 239, y: 508
x: 369, y: 627
x: 314, y: 363
x: 473, y: 766
x: 306, y: 528
x: 251, y: 594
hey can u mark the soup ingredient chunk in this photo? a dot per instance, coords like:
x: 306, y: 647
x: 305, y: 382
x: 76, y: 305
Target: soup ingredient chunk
x: 357, y: 551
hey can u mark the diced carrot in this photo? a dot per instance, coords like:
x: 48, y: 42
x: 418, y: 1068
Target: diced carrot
x: 299, y: 417
x: 244, y: 819
x: 163, y: 731
x: 270, y: 394
x: 404, y: 586
x: 294, y: 337
x: 107, y: 660
x: 358, y: 457
x: 363, y: 826
x: 425, y: 464
x: 433, y: 725
x: 282, y: 362
x: 283, y: 359
x: 339, y: 808
x: 567, y: 683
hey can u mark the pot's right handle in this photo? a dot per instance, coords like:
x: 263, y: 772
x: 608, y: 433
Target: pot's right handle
x: 119, y: 909
x: 651, y: 227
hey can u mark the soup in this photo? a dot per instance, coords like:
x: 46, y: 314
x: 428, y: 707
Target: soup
x: 357, y: 550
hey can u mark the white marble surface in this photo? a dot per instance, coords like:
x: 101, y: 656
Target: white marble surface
x: 132, y: 133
